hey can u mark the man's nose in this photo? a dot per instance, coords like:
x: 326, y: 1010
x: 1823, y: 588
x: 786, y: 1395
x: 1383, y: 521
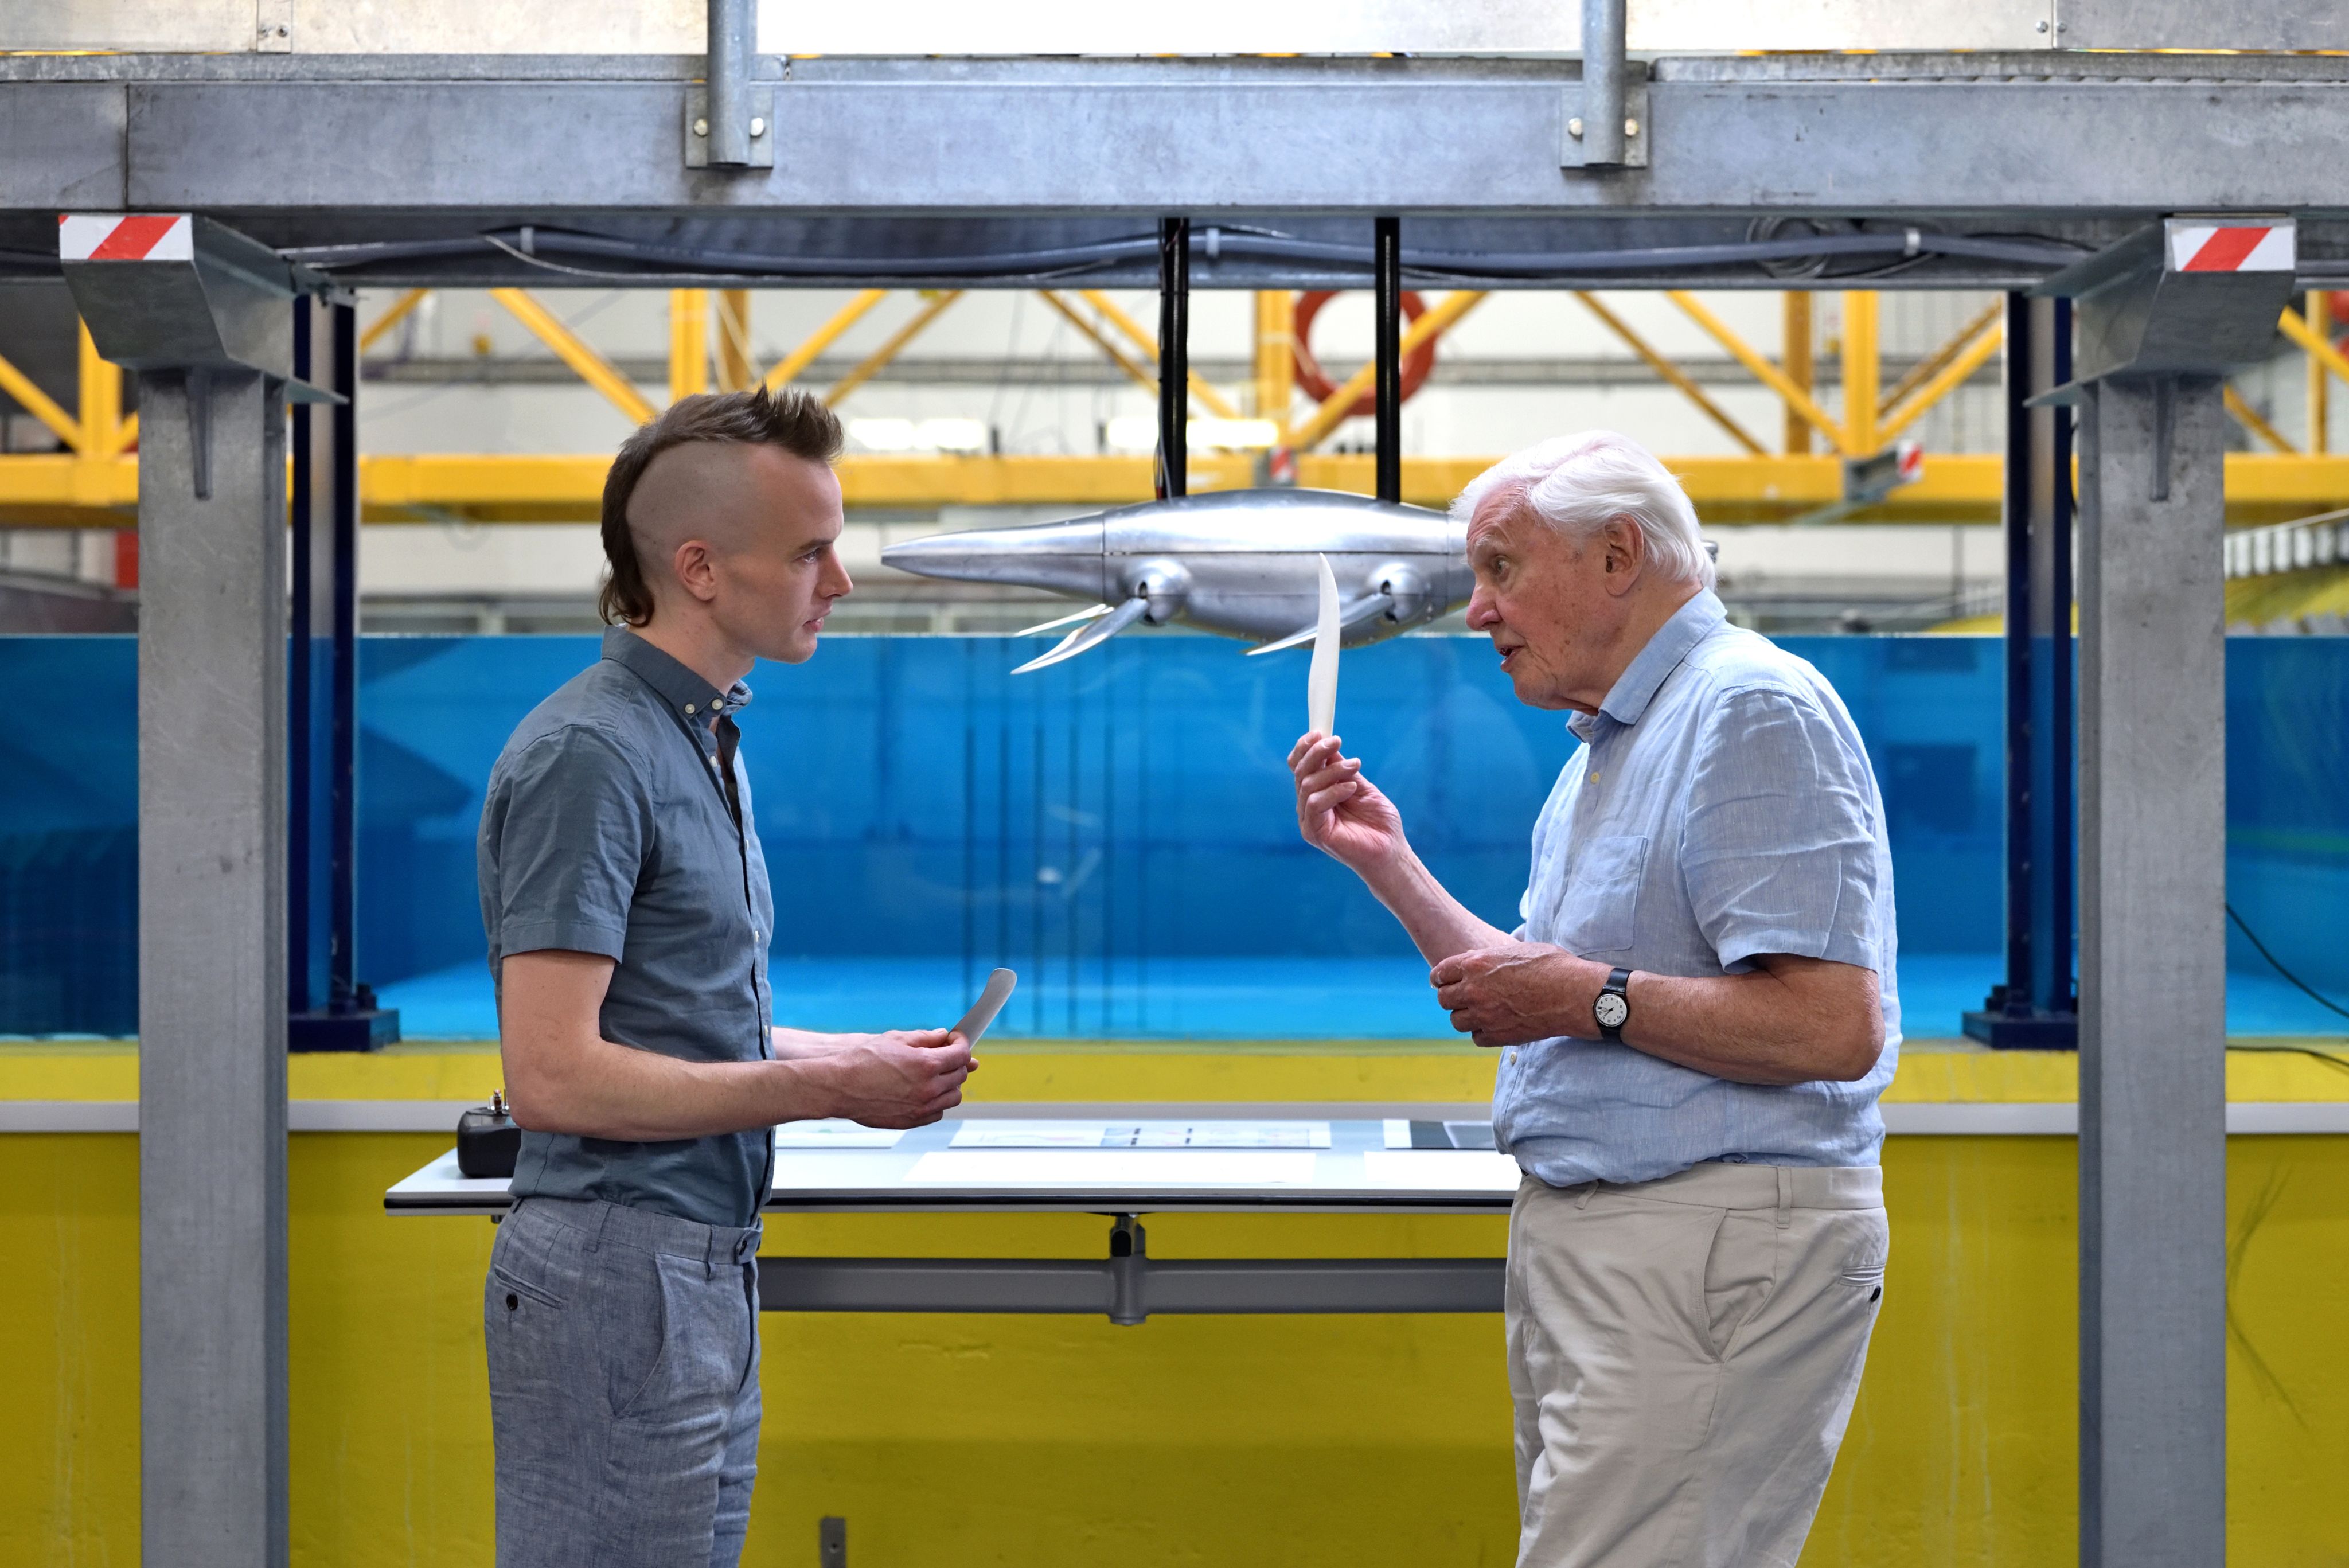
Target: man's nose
x: 1481, y: 613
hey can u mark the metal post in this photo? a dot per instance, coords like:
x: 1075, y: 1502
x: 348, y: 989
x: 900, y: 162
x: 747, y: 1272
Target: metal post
x: 1604, y: 69
x: 2054, y: 992
x: 733, y: 25
x: 2319, y: 317
x: 2153, y: 1277
x: 342, y: 990
x: 1860, y: 371
x: 1388, y: 399
x: 1174, y: 357
x: 1796, y: 357
x: 211, y: 976
x: 2034, y: 1007
x: 298, y: 706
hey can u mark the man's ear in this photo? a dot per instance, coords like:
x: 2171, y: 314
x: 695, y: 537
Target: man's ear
x: 697, y: 569
x: 1626, y: 552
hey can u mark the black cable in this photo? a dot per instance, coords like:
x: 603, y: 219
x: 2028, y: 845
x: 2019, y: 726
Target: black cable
x: 543, y: 246
x: 2314, y: 994
x: 2329, y: 1058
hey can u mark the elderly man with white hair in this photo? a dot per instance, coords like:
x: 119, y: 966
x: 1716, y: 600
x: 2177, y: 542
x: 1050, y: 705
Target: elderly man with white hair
x: 1694, y: 1020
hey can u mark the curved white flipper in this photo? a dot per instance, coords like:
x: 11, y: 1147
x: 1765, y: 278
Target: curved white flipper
x: 1092, y: 636
x: 1353, y: 616
x: 1322, y: 680
x: 1086, y: 614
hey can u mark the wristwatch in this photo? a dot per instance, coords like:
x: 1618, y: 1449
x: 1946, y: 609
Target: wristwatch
x: 1611, y: 1008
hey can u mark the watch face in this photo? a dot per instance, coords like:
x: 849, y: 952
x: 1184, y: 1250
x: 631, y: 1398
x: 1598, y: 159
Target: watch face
x: 1611, y: 1010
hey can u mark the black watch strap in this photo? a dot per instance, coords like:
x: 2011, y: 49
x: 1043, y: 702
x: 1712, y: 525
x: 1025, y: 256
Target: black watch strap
x: 1612, y: 1007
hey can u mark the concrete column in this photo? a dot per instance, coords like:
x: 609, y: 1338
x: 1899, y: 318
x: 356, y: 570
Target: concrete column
x: 2152, y: 1308
x: 211, y: 970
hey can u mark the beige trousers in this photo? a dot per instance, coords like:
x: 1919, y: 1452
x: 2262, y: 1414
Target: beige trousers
x: 1683, y: 1355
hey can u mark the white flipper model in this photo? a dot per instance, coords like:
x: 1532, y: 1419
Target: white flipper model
x: 1351, y: 617
x: 1099, y: 630
x: 990, y: 1002
x: 1056, y: 624
x: 1322, y: 680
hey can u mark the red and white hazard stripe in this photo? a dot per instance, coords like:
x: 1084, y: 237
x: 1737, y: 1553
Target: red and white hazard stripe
x: 2230, y: 247
x: 126, y: 236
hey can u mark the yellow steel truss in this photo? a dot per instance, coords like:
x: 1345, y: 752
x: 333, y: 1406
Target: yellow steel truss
x: 93, y: 481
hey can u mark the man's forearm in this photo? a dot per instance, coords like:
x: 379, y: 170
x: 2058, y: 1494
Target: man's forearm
x: 1756, y: 1028
x: 1789, y: 1021
x: 1439, y: 923
x: 801, y: 1044
x: 596, y: 1088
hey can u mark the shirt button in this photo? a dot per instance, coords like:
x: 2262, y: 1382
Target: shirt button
x: 688, y: 707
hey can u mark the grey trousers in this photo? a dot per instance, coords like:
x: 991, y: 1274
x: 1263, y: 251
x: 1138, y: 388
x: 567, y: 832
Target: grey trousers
x: 623, y: 1387
x: 1685, y: 1354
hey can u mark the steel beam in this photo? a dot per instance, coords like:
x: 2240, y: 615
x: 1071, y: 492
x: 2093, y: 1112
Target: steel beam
x: 1081, y: 1285
x: 2153, y: 1180
x: 1037, y: 142
x: 211, y: 970
x: 1129, y: 1287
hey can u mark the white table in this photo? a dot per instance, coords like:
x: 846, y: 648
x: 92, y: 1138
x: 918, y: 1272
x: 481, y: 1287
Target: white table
x: 1123, y: 1167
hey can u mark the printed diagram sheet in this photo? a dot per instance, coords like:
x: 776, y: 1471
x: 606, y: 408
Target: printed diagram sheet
x: 833, y: 1132
x: 1108, y: 1168
x: 985, y: 1134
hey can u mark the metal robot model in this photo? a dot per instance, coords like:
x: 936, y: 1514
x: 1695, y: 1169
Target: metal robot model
x: 1242, y: 563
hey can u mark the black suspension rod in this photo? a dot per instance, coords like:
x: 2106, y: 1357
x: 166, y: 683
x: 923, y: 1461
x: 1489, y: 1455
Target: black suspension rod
x: 1174, y: 357
x: 342, y: 986
x: 300, y: 669
x: 1388, y: 261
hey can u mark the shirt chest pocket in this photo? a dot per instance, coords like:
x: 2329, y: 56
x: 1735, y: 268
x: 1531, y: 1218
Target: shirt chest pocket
x: 1599, y: 902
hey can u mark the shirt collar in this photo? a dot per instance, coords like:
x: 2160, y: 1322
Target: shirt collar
x: 1637, y: 686
x: 686, y: 693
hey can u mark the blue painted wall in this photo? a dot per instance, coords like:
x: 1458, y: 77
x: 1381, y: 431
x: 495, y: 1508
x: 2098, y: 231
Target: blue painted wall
x: 1131, y: 806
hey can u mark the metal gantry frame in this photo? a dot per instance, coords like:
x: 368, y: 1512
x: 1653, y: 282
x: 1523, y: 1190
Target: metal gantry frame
x: 895, y: 167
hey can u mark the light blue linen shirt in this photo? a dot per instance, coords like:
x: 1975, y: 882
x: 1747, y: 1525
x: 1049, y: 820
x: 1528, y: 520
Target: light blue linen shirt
x: 1721, y: 807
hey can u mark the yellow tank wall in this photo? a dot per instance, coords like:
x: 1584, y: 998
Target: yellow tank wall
x: 1045, y: 1441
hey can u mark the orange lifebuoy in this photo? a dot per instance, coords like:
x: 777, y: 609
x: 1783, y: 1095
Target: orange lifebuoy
x: 1317, y: 384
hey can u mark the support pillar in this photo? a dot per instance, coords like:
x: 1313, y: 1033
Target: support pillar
x: 201, y: 313
x: 2036, y: 1006
x: 2161, y: 317
x: 212, y: 968
x: 2153, y: 976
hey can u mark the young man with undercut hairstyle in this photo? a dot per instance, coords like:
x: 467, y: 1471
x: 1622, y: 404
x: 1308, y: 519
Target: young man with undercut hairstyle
x: 629, y: 915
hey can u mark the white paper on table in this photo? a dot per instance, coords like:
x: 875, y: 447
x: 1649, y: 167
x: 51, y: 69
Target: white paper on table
x: 988, y: 1132
x: 1441, y: 1170
x: 1218, y: 1135
x: 1396, y: 1132
x: 833, y: 1132
x: 1105, y: 1168
x: 1321, y: 680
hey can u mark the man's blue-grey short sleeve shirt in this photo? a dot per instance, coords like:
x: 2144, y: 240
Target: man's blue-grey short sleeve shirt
x: 606, y: 830
x: 1722, y: 808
